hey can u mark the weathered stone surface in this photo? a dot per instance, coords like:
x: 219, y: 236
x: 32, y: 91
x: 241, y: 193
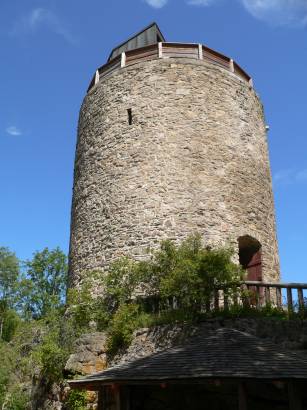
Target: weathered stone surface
x: 89, y: 355
x: 195, y: 159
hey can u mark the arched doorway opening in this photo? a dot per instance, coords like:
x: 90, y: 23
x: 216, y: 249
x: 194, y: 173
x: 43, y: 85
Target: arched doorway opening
x: 250, y: 257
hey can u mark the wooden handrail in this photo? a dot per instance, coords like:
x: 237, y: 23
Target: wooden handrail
x: 169, y: 49
x: 276, y: 285
x: 259, y: 294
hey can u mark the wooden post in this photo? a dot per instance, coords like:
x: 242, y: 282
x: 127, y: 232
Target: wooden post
x: 242, y: 397
x: 295, y: 401
x: 300, y: 300
x: 160, y: 50
x: 101, y: 399
x: 123, y: 60
x: 117, y: 398
x: 226, y: 304
x: 125, y: 394
x: 267, y: 295
x: 258, y: 297
x: 231, y: 65
x: 289, y: 300
x: 200, y: 51
x: 235, y: 298
x: 278, y: 298
x: 245, y: 298
x: 97, y: 77
x: 216, y: 299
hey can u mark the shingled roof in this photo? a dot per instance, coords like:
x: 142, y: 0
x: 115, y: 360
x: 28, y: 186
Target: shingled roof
x: 224, y: 353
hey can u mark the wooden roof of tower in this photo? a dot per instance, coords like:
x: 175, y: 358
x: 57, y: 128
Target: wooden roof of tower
x: 148, y: 36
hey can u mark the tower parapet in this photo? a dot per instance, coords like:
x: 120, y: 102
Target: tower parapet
x: 172, y: 141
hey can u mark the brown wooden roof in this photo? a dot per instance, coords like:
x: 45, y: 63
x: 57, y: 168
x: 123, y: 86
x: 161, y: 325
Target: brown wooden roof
x: 148, y: 36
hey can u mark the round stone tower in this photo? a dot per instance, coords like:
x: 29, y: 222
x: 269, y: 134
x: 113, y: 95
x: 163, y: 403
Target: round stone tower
x: 171, y: 141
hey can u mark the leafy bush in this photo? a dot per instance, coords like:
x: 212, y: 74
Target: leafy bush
x: 125, y: 321
x: 195, y: 272
x: 12, y: 395
x: 76, y: 400
x: 10, y: 321
x: 190, y: 273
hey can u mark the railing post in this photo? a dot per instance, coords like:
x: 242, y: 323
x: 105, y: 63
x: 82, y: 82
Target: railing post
x: 258, y: 297
x: 245, y: 298
x: 289, y: 300
x: 235, y: 298
x: 300, y: 297
x: 123, y: 60
x: 231, y: 65
x: 216, y: 299
x: 226, y: 301
x: 160, y: 50
x: 242, y: 397
x: 267, y: 295
x: 97, y: 76
x: 278, y: 298
x: 200, y: 51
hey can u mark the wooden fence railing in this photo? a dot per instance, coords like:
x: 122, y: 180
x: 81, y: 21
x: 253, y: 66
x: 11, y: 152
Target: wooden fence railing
x: 169, y: 50
x: 285, y: 296
x: 271, y: 293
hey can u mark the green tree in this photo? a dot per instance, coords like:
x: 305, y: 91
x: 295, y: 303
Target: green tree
x: 9, y: 273
x: 192, y: 272
x: 45, y: 284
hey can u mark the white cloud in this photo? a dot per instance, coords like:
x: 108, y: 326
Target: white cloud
x: 157, y: 4
x: 278, y: 12
x: 290, y: 176
x: 42, y: 18
x: 13, y: 130
x: 275, y: 12
x: 200, y: 2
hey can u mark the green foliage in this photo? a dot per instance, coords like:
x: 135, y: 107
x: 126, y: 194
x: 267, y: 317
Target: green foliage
x: 86, y: 308
x: 33, y: 331
x: 47, y: 273
x: 38, y: 331
x: 76, y: 400
x: 195, y: 272
x: 11, y: 320
x: 189, y: 273
x: 12, y: 394
x: 9, y: 272
x: 52, y: 358
x: 17, y: 399
x: 127, y: 318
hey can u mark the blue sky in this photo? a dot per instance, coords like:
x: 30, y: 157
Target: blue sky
x: 51, y: 48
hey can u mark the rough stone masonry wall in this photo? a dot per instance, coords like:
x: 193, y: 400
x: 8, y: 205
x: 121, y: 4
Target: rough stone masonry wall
x: 195, y: 159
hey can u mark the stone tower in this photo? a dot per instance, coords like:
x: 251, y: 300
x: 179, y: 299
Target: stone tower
x: 171, y: 141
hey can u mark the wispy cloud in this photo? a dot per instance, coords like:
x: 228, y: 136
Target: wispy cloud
x: 41, y: 18
x: 275, y: 12
x: 200, y: 2
x: 13, y: 130
x: 290, y: 176
x: 278, y: 12
x: 157, y: 4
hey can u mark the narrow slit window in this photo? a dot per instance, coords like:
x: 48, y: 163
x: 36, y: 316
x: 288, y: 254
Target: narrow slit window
x: 129, y: 116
